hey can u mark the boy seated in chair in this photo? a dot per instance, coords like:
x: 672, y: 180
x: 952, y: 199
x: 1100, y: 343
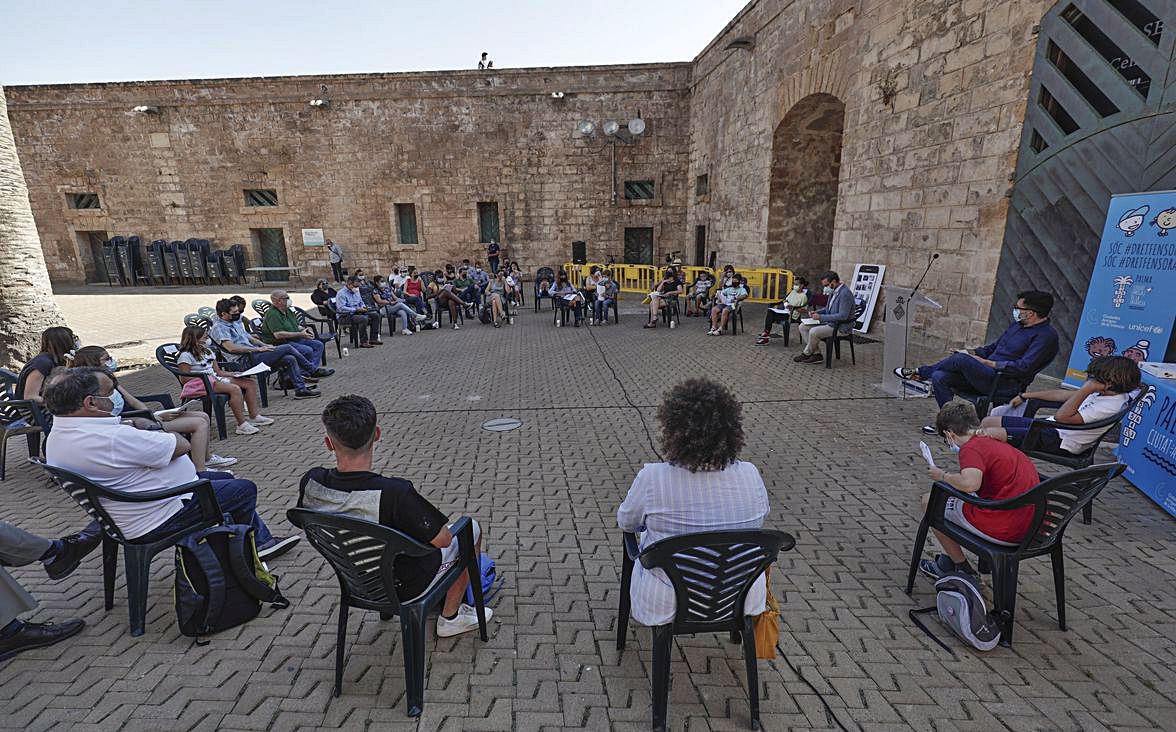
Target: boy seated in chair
x: 989, y: 468
x: 353, y: 489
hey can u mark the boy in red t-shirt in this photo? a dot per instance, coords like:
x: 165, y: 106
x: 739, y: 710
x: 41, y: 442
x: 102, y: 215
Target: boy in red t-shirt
x: 992, y: 470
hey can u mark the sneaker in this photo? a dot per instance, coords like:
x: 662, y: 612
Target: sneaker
x: 220, y: 461
x: 497, y: 324
x: 815, y: 358
x: 765, y: 334
x: 465, y: 621
x: 800, y: 357
x: 277, y: 546
x: 305, y: 394
x: 421, y: 316
x: 73, y: 550
x: 247, y: 429
x: 929, y: 429
x: 456, y: 327
x: 942, y: 564
x: 436, y: 324
x: 376, y: 343
x: 321, y: 373
x: 762, y: 341
x: 260, y: 420
x: 406, y: 331
x: 908, y: 374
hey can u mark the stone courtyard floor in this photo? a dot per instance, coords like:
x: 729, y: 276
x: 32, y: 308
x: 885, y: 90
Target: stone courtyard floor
x: 842, y: 467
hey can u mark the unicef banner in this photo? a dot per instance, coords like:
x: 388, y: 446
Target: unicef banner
x: 1131, y: 301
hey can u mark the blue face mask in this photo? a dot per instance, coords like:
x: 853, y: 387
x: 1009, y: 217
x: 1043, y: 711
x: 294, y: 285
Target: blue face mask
x: 116, y: 402
x: 827, y: 290
x: 953, y: 447
x: 111, y: 365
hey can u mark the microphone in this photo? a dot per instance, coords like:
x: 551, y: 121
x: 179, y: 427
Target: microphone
x: 931, y: 261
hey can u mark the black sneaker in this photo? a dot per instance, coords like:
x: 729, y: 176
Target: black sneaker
x: 942, y: 564
x: 800, y: 357
x: 277, y: 546
x: 929, y: 429
x: 306, y: 394
x: 321, y: 373
x: 762, y: 341
x: 38, y: 635
x: 73, y: 549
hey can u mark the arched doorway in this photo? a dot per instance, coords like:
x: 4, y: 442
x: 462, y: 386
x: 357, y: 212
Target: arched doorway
x: 802, y: 197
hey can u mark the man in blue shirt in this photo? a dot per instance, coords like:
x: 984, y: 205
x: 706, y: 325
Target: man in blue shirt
x: 229, y: 333
x: 1025, y: 348
x: 836, y: 315
x: 354, y: 311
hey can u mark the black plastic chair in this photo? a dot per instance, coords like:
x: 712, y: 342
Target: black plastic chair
x: 711, y: 573
x: 671, y: 311
x: 564, y: 310
x: 543, y: 273
x: 1004, y: 387
x: 17, y: 417
x: 195, y: 319
x: 1031, y: 445
x: 737, y: 312
x: 306, y: 320
x: 833, y: 344
x: 1055, y: 503
x: 168, y: 355
x: 363, y: 555
x: 136, y: 556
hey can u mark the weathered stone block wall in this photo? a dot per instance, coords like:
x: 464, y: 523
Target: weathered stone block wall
x: 924, y: 169
x: 443, y: 141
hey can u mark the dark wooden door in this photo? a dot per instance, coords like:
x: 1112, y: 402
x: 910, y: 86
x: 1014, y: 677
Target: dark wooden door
x: 271, y: 248
x: 699, y: 246
x: 638, y: 245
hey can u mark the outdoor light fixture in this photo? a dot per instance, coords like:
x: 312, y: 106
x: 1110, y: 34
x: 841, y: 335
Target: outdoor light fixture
x: 318, y: 102
x: 557, y: 95
x: 586, y: 127
x: 636, y: 126
x: 611, y: 127
x: 146, y: 109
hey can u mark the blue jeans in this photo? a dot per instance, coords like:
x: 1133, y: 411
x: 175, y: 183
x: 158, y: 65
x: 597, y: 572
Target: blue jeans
x: 957, y: 372
x: 236, y: 497
x: 311, y: 349
x: 600, y: 308
x: 287, y: 357
x: 417, y: 303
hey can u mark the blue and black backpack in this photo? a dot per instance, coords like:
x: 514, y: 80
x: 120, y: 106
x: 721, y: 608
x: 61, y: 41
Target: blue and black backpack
x: 491, y: 580
x: 220, y: 580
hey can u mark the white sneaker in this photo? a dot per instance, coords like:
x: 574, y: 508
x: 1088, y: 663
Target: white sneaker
x: 465, y: 621
x: 456, y: 326
x: 260, y: 420
x: 421, y: 316
x: 436, y: 324
x: 247, y: 429
x: 220, y: 461
x: 406, y: 331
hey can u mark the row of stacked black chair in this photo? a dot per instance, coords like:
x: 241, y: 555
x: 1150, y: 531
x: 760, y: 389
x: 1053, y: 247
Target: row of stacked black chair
x: 190, y: 262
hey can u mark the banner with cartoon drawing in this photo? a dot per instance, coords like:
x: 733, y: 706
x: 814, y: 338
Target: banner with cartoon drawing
x: 1147, y: 442
x: 1131, y: 302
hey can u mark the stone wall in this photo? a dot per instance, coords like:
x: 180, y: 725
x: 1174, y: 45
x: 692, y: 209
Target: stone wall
x: 934, y: 94
x: 443, y: 141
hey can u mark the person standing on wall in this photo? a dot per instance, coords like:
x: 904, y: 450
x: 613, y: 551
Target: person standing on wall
x: 492, y: 251
x: 335, y: 252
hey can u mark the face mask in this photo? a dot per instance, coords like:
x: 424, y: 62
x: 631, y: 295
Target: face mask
x: 77, y: 343
x: 116, y: 402
x: 796, y: 288
x: 1017, y: 314
x: 827, y: 290
x: 111, y: 365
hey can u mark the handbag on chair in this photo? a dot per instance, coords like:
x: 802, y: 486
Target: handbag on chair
x: 766, y: 625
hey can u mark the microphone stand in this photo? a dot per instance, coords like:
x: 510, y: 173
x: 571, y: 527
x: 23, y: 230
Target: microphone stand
x: 906, y: 336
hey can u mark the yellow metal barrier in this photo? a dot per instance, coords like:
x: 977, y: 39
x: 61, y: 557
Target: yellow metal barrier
x: 577, y: 272
x: 634, y: 277
x: 766, y: 284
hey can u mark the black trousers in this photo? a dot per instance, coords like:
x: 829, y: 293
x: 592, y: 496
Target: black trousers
x: 371, y: 321
x: 337, y: 271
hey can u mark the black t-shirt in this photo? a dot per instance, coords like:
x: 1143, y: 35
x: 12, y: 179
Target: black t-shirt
x: 492, y: 250
x: 668, y: 286
x: 42, y: 362
x: 320, y: 297
x: 392, y: 502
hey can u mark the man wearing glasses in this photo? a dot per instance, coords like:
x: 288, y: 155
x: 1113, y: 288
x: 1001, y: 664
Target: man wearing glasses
x: 280, y: 325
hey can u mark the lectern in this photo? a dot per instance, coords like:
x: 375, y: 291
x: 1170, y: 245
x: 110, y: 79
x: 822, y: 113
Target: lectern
x: 900, y: 315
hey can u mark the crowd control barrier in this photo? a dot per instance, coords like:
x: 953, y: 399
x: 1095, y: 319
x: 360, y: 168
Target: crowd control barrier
x: 765, y: 284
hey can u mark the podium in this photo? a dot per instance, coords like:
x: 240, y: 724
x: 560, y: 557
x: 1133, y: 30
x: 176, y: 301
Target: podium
x: 900, y: 315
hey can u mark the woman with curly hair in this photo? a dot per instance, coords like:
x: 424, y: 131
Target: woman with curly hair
x: 701, y: 486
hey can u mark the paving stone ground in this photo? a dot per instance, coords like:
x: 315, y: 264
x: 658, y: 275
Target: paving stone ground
x: 842, y: 467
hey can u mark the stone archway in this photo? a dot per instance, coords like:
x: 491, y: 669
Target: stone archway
x: 802, y: 197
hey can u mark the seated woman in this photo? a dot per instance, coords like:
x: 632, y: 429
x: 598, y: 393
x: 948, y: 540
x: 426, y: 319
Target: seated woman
x: 568, y: 297
x: 725, y: 303
x: 606, y: 295
x: 390, y: 306
x: 322, y: 295
x: 515, y: 272
x: 795, y: 301
x: 668, y: 289
x: 1111, y: 382
x: 990, y: 469
x: 192, y: 424
x: 57, y: 349
x: 414, y: 292
x: 495, y: 293
x: 512, y: 284
x: 195, y: 358
x: 702, y: 486
x: 699, y: 294
x: 442, y: 293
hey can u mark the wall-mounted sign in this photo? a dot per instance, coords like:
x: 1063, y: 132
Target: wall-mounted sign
x: 313, y: 238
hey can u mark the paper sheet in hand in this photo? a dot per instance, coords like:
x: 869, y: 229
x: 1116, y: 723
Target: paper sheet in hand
x: 926, y: 454
x: 570, y: 297
x: 177, y: 410
x: 260, y: 368
x: 809, y: 321
x: 655, y: 293
x: 780, y: 311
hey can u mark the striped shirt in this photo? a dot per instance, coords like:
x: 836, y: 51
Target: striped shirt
x: 666, y: 501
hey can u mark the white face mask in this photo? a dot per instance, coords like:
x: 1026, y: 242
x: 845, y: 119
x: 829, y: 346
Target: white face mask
x: 796, y: 288
x: 1017, y: 314
x: 827, y: 290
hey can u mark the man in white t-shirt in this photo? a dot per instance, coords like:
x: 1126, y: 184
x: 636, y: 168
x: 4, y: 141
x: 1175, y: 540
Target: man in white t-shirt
x: 1111, y: 382
x: 89, y: 438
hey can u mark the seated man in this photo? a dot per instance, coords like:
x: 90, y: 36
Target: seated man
x: 60, y: 557
x: 467, y: 290
x: 1111, y: 382
x: 794, y: 302
x: 1025, y: 348
x: 725, y: 303
x: 388, y: 305
x: 89, y: 439
x: 837, y: 313
x: 229, y: 333
x: 606, y: 295
x: 352, y: 489
x: 990, y: 469
x: 353, y: 311
x: 280, y: 325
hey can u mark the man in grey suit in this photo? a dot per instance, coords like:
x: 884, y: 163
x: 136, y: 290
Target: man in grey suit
x: 837, y: 313
x: 60, y: 556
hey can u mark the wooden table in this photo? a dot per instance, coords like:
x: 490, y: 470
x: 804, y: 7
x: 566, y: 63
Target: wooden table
x: 262, y: 270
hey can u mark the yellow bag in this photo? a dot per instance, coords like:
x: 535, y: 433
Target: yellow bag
x: 766, y: 625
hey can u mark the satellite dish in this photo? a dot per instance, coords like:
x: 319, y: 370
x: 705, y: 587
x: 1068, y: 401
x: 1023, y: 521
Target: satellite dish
x: 611, y: 127
x: 585, y: 127
x: 636, y: 126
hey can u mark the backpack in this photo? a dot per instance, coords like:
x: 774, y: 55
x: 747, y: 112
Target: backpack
x: 220, y: 580
x: 491, y: 580
x: 282, y: 380
x: 961, y: 608
x: 486, y: 316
